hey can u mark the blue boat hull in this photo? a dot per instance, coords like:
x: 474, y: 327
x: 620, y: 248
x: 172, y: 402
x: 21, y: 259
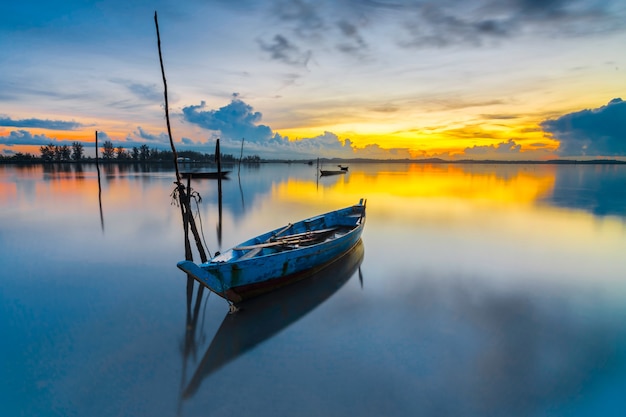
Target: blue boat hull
x: 263, y: 263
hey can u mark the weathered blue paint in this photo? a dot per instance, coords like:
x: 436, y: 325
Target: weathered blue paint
x: 281, y: 256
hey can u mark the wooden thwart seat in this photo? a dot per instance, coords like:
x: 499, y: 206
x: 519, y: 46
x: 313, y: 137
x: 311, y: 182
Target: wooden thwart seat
x: 295, y: 239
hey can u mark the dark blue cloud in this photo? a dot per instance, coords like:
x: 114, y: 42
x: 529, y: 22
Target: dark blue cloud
x: 102, y: 136
x: 160, y: 138
x: 41, y: 123
x: 137, y: 139
x: 591, y: 132
x: 238, y: 120
x: 235, y: 121
x: 24, y: 137
x: 188, y: 141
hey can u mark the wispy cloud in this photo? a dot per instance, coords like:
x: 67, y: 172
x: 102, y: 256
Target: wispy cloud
x: 506, y: 149
x: 352, y: 42
x: 448, y: 23
x: 281, y: 49
x: 306, y: 18
x: 445, y: 23
x: 499, y: 116
x: 149, y: 92
x: 41, y: 123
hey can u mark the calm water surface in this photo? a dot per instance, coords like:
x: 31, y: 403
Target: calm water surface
x: 479, y: 290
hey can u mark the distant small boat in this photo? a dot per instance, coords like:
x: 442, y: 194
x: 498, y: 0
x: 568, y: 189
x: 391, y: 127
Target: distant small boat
x: 325, y: 172
x: 282, y: 256
x: 206, y: 175
x: 342, y: 168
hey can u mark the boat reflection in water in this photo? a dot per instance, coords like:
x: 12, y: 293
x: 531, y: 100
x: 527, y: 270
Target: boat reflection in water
x: 262, y: 317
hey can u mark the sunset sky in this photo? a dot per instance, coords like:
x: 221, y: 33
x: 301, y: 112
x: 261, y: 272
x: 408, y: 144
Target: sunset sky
x: 480, y: 79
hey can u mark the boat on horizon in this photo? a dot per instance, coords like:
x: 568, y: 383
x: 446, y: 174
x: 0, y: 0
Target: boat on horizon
x: 206, y: 174
x: 327, y: 172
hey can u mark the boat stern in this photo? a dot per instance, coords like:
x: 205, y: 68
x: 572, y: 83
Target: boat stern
x: 200, y: 275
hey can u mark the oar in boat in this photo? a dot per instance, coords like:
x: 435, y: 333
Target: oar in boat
x: 256, y: 249
x: 290, y: 239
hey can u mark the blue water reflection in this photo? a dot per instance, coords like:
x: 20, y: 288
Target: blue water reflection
x: 485, y: 290
x: 599, y: 189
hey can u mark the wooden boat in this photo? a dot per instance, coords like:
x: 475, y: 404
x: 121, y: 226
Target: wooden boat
x: 263, y: 317
x: 206, y: 175
x: 282, y: 256
x: 326, y: 172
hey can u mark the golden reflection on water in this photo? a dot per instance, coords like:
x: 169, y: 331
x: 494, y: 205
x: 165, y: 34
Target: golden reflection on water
x: 495, y: 217
x: 442, y: 185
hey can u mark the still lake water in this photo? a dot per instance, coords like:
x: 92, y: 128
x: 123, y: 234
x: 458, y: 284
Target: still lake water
x: 479, y: 290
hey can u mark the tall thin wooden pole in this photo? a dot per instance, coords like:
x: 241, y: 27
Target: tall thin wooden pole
x: 99, y: 186
x: 167, y: 112
x: 240, y: 156
x: 218, y: 156
x: 183, y: 194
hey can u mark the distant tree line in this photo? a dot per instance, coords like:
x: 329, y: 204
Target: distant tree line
x: 63, y: 153
x: 76, y: 153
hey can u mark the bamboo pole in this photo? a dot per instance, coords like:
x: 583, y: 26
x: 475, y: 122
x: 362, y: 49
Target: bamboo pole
x: 99, y: 186
x: 167, y: 112
x: 218, y: 157
x: 240, y: 157
x: 183, y: 194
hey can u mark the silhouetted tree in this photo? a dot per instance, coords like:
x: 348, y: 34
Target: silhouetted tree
x: 157, y: 155
x: 47, y: 152
x: 121, y: 154
x: 19, y: 156
x: 254, y: 159
x: 77, y: 151
x: 57, y: 154
x: 65, y: 152
x: 135, y: 153
x: 108, y: 150
x: 144, y: 152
